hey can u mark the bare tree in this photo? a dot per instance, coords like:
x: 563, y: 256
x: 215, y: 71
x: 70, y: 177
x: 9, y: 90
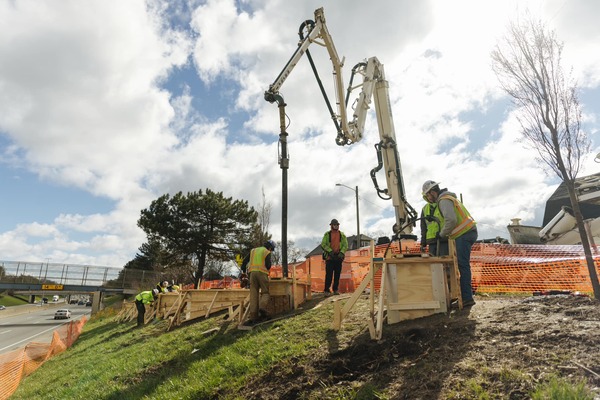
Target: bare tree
x: 528, y: 66
x: 295, y: 254
x: 264, y: 218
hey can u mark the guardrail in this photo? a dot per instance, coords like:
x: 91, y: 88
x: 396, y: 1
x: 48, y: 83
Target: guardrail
x: 52, y: 274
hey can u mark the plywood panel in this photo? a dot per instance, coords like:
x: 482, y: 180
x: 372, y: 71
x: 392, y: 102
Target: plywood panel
x: 420, y: 289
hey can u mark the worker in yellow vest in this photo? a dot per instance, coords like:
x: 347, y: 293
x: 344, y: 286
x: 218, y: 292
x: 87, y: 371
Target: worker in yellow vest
x: 431, y: 224
x: 258, y: 264
x: 162, y: 287
x: 143, y: 298
x: 458, y: 225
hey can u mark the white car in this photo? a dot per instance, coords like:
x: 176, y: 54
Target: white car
x: 62, y: 313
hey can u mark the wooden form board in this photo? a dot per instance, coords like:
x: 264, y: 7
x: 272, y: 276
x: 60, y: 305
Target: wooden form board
x: 192, y: 304
x: 297, y: 291
x: 416, y: 287
x: 199, y: 303
x: 411, y: 287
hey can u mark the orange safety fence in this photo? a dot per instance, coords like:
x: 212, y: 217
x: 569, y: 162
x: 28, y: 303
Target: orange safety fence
x: 17, y: 364
x: 495, y: 268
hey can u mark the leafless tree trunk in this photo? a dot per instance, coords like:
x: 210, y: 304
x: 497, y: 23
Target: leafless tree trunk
x: 295, y: 254
x: 264, y: 217
x: 528, y: 66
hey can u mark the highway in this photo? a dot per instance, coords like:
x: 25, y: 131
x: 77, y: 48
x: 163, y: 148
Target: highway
x: 34, y: 325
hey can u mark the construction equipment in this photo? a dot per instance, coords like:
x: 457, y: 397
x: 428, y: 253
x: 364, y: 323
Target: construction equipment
x: 374, y: 86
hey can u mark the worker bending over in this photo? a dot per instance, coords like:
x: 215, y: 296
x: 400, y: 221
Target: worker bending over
x: 258, y: 264
x: 143, y: 298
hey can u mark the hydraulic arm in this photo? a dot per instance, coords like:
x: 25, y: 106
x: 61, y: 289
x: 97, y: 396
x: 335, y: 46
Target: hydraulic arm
x: 373, y: 86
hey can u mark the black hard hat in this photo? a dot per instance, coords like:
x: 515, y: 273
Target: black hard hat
x: 269, y: 244
x: 334, y: 222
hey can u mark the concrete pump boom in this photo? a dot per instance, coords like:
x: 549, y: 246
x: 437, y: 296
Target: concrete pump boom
x: 374, y: 86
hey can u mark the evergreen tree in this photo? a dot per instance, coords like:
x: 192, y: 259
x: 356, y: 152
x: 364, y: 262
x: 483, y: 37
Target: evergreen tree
x: 200, y: 226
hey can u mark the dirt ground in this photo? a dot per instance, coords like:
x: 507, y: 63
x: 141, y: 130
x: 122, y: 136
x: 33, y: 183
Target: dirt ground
x: 503, y: 347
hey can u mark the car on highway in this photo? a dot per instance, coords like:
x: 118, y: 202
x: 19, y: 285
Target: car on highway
x: 88, y: 303
x: 62, y: 314
x: 2, y: 307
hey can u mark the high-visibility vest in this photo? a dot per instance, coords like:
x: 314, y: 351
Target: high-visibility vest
x: 464, y: 221
x: 145, y: 297
x: 257, y: 259
x: 326, y: 244
x: 433, y: 227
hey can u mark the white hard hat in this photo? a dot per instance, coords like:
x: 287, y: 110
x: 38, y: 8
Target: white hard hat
x: 428, y: 185
x: 155, y: 292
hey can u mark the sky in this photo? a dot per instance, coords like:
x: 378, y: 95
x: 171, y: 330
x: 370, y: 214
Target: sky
x: 105, y: 105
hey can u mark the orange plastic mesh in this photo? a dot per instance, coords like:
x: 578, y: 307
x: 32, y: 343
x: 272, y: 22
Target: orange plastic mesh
x: 495, y: 268
x: 17, y: 364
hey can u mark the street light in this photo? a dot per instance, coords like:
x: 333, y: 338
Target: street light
x: 357, y: 213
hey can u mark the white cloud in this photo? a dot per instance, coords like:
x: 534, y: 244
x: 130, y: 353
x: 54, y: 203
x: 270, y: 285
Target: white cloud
x: 86, y: 101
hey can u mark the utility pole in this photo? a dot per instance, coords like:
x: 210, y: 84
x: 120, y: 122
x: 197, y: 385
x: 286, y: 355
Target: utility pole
x: 355, y: 190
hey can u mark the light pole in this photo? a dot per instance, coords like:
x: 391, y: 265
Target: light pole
x: 355, y: 190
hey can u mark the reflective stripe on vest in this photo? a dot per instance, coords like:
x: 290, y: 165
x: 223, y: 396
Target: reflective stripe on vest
x: 257, y: 260
x: 464, y: 220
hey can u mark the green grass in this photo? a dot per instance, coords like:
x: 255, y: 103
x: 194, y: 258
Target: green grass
x: 9, y: 301
x: 116, y: 361
x: 561, y: 389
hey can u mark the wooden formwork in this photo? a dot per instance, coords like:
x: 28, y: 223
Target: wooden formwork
x: 127, y: 313
x: 192, y: 304
x: 411, y: 287
x: 188, y: 305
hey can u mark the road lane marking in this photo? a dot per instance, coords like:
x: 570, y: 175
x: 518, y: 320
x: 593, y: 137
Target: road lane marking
x: 31, y: 337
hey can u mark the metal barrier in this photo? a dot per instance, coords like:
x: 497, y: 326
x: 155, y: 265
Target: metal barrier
x: 17, y: 273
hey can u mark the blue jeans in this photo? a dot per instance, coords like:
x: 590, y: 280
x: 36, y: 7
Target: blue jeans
x: 442, y: 251
x: 463, y: 255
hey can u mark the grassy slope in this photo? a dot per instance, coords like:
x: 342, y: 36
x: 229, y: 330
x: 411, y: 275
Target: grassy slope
x: 301, y: 357
x: 116, y: 361
x: 8, y: 301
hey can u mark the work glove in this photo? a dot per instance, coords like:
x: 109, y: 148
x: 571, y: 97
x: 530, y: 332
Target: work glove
x: 341, y: 256
x: 441, y: 238
x: 431, y: 218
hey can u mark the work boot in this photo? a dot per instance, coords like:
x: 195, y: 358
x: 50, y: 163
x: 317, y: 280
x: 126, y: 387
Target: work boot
x: 468, y: 303
x: 336, y: 293
x: 327, y: 293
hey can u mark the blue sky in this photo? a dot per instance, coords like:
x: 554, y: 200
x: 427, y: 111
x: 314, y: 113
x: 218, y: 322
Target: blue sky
x: 105, y: 105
